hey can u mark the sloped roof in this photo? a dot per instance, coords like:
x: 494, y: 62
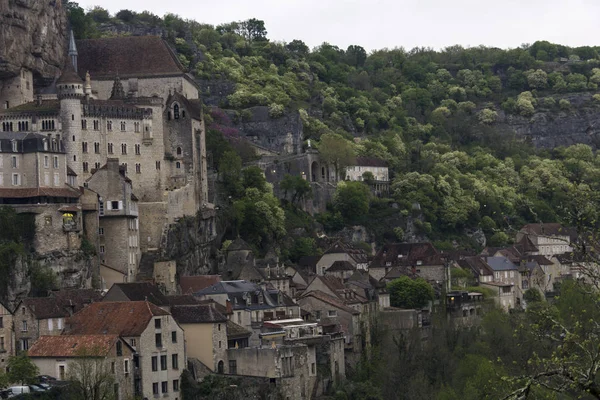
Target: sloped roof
x: 550, y: 229
x: 124, y: 318
x: 540, y: 259
x: 526, y: 245
x: 340, y: 266
x: 407, y: 254
x: 197, y: 314
x: 358, y: 255
x: 72, y: 345
x: 61, y: 303
x: 192, y: 284
x: 69, y: 75
x: 22, y: 193
x: 235, y: 331
x: 476, y: 264
x: 500, y: 263
x: 333, y: 301
x: 181, y: 299
x: 370, y: 162
x: 129, y: 57
x: 140, y: 291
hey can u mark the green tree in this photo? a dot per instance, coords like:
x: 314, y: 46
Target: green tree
x: 406, y: 292
x: 253, y: 177
x: 99, y: 14
x: 351, y: 199
x: 230, y: 170
x: 298, y: 187
x: 532, y: 295
x: 259, y: 218
x: 337, y: 151
x: 91, y: 376
x: 22, y: 370
x: 252, y: 30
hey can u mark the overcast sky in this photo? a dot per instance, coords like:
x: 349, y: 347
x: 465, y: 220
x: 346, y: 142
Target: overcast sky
x: 376, y: 24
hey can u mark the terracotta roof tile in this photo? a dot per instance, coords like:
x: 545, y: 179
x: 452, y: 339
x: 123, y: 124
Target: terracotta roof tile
x: 192, y: 284
x: 72, y: 345
x: 182, y: 300
x: 124, y: 318
x: 406, y: 255
x: 324, y: 297
x: 129, y: 57
x: 61, y: 303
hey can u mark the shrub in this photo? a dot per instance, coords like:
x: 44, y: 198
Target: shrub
x: 549, y: 102
x: 487, y: 116
x: 564, y: 104
x: 276, y: 110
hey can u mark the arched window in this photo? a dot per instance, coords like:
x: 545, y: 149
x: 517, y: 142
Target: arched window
x: 182, y: 113
x: 178, y: 165
x: 220, y: 367
x: 176, y: 111
x: 179, y: 151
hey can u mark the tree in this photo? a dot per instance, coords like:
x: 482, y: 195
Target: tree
x: 253, y: 177
x: 351, y: 199
x: 356, y: 56
x: 252, y: 30
x: 230, y: 169
x: 259, y: 218
x: 406, y: 292
x: 126, y: 15
x: 368, y: 177
x: 22, y: 370
x: 82, y: 24
x: 537, y: 79
x: 532, y: 295
x: 299, y: 188
x: 99, y: 14
x: 91, y: 375
x: 335, y: 150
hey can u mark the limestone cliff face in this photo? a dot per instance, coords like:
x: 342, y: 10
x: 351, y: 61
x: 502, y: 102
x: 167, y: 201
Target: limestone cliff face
x: 32, y: 35
x: 549, y: 129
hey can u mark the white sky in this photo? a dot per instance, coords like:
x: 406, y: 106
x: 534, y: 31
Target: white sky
x: 376, y: 24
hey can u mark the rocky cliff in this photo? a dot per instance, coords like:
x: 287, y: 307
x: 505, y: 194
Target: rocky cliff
x: 552, y: 128
x: 32, y: 35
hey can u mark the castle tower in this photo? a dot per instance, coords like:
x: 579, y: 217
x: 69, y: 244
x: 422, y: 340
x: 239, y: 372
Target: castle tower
x: 70, y: 92
x: 117, y: 92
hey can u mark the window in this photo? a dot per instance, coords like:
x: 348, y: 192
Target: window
x: 137, y: 149
x: 123, y: 125
x: 101, y: 249
x: 84, y: 147
x: 126, y: 366
x: 50, y: 324
x: 84, y: 124
x: 2, y: 343
x: 138, y: 168
x: 157, y: 323
x: 136, y: 126
x: 165, y: 386
x: 55, y: 162
x: 46, y: 162
x: 158, y: 165
x: 132, y: 342
x: 158, y: 339
x: 1, y: 322
x: 123, y: 149
x: 112, y: 367
x: 176, y: 385
x: 155, y: 388
x: 109, y: 125
x: 174, y: 361
x: 61, y: 372
x: 16, y: 179
x: 178, y: 165
x: 25, y: 345
x: 312, y: 368
x: 101, y: 232
x: 114, y: 205
x: 332, y: 313
x: 174, y: 337
x: 154, y: 363
x: 97, y: 148
x: 86, y: 167
x: 179, y: 151
x: 163, y: 363
x: 97, y: 165
x: 14, y: 162
x: 110, y: 148
x: 119, y: 349
x: 233, y: 367
x: 24, y: 326
x: 176, y: 111
x: 239, y: 317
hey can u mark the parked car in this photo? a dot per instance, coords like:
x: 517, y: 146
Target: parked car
x: 46, y: 378
x: 17, y: 390
x: 37, y: 388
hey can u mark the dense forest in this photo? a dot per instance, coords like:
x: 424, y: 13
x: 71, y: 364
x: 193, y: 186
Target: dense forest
x: 434, y: 117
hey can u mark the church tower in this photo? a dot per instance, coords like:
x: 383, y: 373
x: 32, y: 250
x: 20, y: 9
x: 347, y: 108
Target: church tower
x: 70, y: 92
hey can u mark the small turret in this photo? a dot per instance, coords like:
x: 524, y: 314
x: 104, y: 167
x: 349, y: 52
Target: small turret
x: 117, y: 92
x: 73, y: 50
x: 69, y: 84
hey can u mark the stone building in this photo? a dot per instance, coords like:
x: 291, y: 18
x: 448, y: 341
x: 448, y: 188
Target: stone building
x: 37, y: 316
x: 341, y: 251
x: 151, y: 331
x: 118, y: 230
x: 137, y: 291
x: 65, y: 355
x: 112, y: 103
x: 549, y: 239
x: 7, y: 336
x: 378, y: 168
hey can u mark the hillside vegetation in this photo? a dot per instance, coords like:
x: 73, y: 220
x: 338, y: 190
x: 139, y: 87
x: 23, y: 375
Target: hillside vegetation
x: 432, y: 115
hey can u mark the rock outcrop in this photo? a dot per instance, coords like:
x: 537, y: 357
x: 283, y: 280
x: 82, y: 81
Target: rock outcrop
x: 33, y: 35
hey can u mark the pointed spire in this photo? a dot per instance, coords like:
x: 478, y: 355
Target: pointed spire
x: 73, y: 50
x: 117, y: 93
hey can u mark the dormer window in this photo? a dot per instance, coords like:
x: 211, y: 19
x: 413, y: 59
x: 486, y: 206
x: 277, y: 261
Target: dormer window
x: 14, y: 146
x: 176, y: 111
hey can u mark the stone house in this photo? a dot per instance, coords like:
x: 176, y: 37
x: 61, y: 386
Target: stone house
x: 137, y: 291
x: 7, y: 336
x: 251, y: 304
x: 341, y: 251
x: 417, y: 259
x: 464, y: 309
x: 37, y: 316
x: 549, y: 239
x: 118, y: 230
x: 154, y: 334
x: 340, y: 269
x: 55, y: 356
x: 375, y: 166
x: 205, y: 329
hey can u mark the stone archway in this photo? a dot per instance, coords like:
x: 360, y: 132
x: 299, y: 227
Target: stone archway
x: 315, y: 171
x: 220, y: 367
